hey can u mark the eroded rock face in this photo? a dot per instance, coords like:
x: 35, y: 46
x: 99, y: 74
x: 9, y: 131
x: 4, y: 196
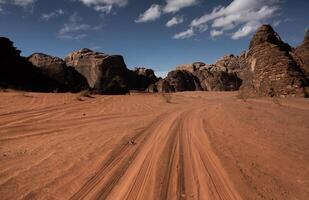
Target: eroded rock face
x: 228, y: 63
x: 162, y: 86
x: 302, y: 55
x: 176, y: 81
x: 17, y: 73
x: 56, y: 69
x: 200, y: 76
x: 104, y: 73
x: 218, y: 80
x: 142, y: 78
x: 271, y: 70
x: 267, y: 35
x: 181, y: 80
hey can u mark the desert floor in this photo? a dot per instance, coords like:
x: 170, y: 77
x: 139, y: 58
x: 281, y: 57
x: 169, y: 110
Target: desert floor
x: 192, y: 145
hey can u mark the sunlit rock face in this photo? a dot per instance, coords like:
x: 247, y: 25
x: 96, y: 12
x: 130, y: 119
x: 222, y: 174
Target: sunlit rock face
x: 271, y: 70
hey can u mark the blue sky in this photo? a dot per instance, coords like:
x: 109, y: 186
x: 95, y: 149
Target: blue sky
x: 157, y: 34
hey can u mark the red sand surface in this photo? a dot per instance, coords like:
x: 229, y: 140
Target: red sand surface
x: 193, y: 145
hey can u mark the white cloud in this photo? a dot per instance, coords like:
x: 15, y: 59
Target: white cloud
x: 74, y: 29
x: 174, y: 21
x: 245, y: 30
x: 56, y: 13
x: 215, y: 33
x: 248, y: 14
x: 153, y: 13
x: 18, y: 2
x: 183, y: 35
x: 23, y: 3
x: 276, y: 23
x: 120, y: 3
x: 173, y: 6
x: 105, y: 9
x: 104, y: 6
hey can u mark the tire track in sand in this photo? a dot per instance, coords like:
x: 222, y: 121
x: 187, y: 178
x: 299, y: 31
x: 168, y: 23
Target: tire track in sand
x: 172, y: 159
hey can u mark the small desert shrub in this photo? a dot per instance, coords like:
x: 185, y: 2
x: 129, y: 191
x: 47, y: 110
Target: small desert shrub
x: 167, y: 97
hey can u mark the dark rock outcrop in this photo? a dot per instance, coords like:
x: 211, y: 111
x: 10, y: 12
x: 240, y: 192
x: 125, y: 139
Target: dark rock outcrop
x: 181, y: 80
x: 17, y: 73
x: 176, y: 81
x: 162, y: 86
x: 141, y: 78
x: 56, y: 69
x: 302, y: 55
x: 270, y: 69
x: 105, y: 74
x: 218, y: 80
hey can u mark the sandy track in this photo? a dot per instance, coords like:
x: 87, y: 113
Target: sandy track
x: 199, y: 146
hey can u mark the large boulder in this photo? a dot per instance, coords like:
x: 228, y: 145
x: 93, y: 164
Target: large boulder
x: 270, y: 69
x: 191, y: 67
x: 218, y: 80
x: 228, y: 63
x: 176, y: 81
x: 162, y: 86
x: 56, y: 69
x: 105, y: 73
x: 182, y: 80
x: 17, y: 73
x: 302, y: 55
x: 141, y: 78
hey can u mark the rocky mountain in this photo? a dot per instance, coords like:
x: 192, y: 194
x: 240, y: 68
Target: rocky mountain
x: 302, y: 55
x: 55, y: 68
x: 105, y: 73
x: 200, y: 76
x: 270, y: 69
x: 141, y: 78
x: 17, y: 73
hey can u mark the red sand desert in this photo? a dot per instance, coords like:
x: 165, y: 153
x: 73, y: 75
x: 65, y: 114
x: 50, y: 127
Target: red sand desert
x: 192, y: 145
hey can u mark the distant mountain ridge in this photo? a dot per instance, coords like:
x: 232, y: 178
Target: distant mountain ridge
x: 270, y: 67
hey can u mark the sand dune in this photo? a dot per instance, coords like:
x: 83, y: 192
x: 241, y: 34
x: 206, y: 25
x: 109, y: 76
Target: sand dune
x: 192, y: 145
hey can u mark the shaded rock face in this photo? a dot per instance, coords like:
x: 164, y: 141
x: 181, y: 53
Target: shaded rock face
x: 106, y: 74
x: 221, y: 76
x: 191, y: 67
x: 141, y: 78
x: 218, y: 80
x: 56, y: 69
x: 302, y: 55
x: 266, y: 34
x: 228, y: 63
x: 162, y: 86
x: 17, y: 73
x: 181, y: 80
x: 271, y: 70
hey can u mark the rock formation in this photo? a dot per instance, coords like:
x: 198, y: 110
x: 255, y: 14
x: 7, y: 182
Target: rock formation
x: 180, y: 80
x: 141, y: 78
x: 17, y: 73
x: 271, y: 70
x: 215, y: 77
x: 218, y: 80
x: 56, y: 69
x: 162, y: 86
x: 302, y: 55
x: 106, y: 74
